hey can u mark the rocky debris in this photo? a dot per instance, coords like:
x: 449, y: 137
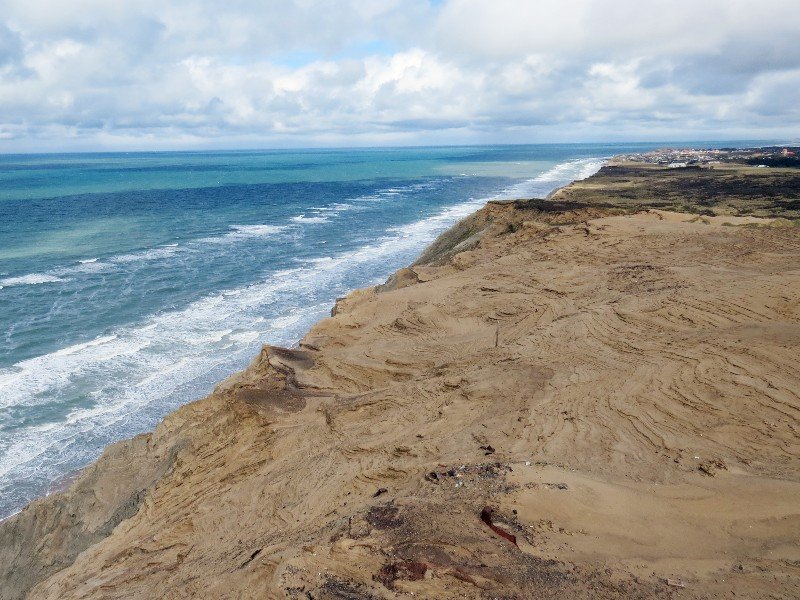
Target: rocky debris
x: 712, y: 467
x: 403, y: 569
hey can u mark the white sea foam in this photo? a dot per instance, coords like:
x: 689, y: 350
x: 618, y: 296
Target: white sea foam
x: 561, y: 174
x: 287, y: 320
x: 305, y: 219
x: 91, y: 266
x: 78, y: 347
x: 246, y: 232
x: 31, y: 279
x: 146, y: 255
x: 256, y: 230
x: 246, y: 337
x: 212, y: 337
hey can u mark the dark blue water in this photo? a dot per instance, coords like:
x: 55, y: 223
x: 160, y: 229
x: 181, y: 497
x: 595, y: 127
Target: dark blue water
x: 131, y: 283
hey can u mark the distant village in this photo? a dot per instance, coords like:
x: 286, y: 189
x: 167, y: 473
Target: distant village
x: 765, y: 157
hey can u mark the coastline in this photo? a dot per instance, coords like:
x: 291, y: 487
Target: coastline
x: 167, y: 352
x: 360, y: 367
x: 63, y: 482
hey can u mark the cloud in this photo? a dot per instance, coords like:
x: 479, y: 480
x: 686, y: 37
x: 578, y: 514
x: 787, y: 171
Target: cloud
x: 10, y: 47
x: 95, y: 74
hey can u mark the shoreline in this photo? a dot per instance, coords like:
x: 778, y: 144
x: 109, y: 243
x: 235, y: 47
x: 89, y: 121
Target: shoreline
x: 397, y: 353
x: 65, y: 479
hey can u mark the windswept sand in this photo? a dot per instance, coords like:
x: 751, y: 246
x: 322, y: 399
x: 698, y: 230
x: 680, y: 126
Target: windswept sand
x: 622, y: 390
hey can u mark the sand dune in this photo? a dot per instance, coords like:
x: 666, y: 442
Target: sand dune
x: 619, y: 385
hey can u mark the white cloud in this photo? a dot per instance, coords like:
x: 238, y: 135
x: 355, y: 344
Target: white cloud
x: 146, y: 73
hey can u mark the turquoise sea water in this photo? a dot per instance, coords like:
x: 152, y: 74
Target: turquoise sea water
x: 131, y: 283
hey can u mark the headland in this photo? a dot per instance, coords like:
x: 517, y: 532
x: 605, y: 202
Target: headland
x: 593, y: 395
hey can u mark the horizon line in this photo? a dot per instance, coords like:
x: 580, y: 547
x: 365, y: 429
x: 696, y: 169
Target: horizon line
x: 765, y: 142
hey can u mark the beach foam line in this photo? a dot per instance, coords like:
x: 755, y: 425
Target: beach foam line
x: 553, y: 178
x: 27, y: 382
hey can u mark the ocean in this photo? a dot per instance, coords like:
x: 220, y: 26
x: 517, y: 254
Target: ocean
x: 131, y: 283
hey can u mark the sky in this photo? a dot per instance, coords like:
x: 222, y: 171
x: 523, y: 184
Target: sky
x: 176, y: 74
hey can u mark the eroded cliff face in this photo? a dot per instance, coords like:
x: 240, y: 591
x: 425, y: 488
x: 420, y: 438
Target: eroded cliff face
x: 50, y: 533
x: 620, y: 389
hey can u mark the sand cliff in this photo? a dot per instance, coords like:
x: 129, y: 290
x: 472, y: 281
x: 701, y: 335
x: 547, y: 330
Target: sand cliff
x: 617, y: 380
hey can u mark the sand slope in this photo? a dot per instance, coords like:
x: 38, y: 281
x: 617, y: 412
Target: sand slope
x: 622, y: 390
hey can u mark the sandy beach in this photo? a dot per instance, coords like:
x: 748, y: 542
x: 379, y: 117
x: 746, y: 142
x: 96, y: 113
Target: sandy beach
x: 590, y: 396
